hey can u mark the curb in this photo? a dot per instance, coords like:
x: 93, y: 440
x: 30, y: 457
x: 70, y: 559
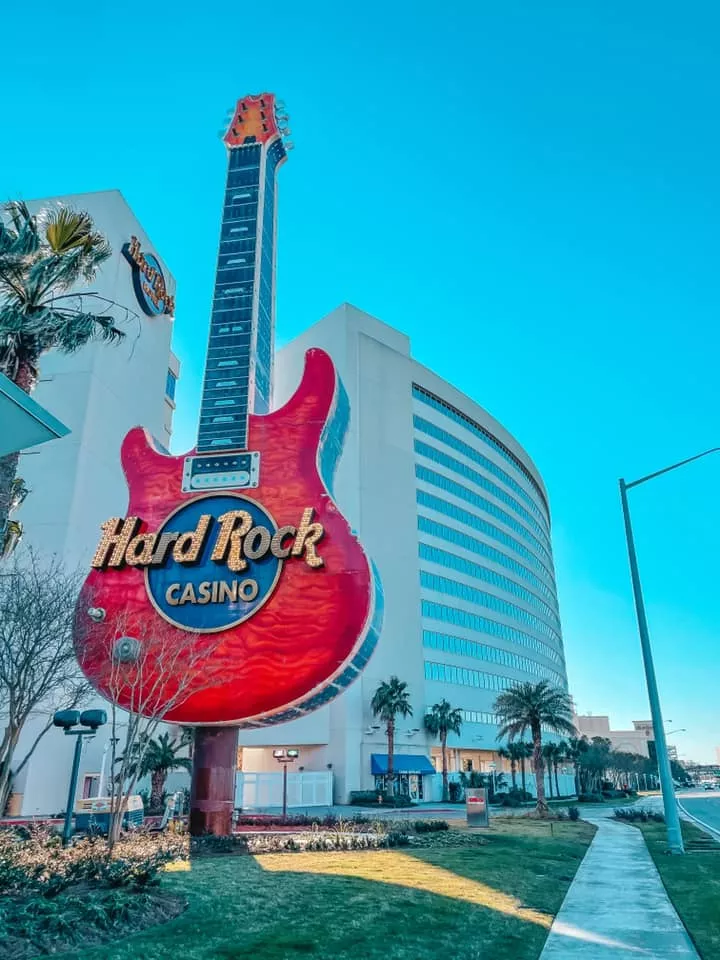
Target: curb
x: 715, y: 834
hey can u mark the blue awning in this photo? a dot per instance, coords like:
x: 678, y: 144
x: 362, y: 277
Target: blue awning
x: 402, y: 763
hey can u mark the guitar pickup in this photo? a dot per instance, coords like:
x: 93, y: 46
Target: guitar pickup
x: 221, y: 471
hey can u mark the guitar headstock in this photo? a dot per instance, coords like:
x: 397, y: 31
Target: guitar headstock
x: 256, y: 118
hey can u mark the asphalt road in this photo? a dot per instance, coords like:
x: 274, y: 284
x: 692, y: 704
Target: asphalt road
x: 705, y: 805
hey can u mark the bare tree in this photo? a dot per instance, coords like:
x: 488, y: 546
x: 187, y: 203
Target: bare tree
x: 38, y: 669
x: 150, y: 680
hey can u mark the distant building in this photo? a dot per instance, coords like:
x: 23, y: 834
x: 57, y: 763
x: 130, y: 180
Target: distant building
x: 638, y: 740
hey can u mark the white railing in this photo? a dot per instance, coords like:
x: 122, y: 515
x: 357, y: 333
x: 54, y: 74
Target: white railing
x: 257, y: 791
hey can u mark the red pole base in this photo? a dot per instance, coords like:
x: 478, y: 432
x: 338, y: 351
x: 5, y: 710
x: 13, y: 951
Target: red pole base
x: 212, y: 789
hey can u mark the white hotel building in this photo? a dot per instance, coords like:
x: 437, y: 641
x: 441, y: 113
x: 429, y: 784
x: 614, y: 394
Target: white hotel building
x: 76, y: 482
x: 454, y: 513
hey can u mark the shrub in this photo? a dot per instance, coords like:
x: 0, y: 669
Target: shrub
x: 365, y: 798
x: 454, y: 791
x: 590, y: 798
x: 574, y: 813
x: 642, y: 815
x: 513, y: 798
x: 431, y: 826
x: 35, y: 861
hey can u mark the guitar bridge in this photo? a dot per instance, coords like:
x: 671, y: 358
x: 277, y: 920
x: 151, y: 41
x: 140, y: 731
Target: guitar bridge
x: 221, y: 471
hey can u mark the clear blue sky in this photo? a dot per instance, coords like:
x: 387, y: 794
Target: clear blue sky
x: 530, y: 190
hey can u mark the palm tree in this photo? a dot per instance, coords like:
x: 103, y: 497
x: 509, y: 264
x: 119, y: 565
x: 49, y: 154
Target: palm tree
x: 553, y: 753
x: 41, y: 258
x: 504, y: 752
x: 158, y: 758
x: 439, y: 722
x: 534, y: 707
x: 525, y: 751
x: 575, y: 748
x: 547, y: 754
x: 390, y: 699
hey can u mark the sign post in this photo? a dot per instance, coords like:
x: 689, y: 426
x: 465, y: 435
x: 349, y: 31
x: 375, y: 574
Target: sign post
x: 476, y: 807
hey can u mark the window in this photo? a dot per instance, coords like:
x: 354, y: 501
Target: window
x: 426, y: 499
x: 478, y: 716
x: 461, y: 618
x: 450, y: 440
x: 453, y: 588
x: 462, y: 647
x: 91, y: 785
x: 170, y: 384
x: 432, y: 453
x: 475, y: 570
x: 425, y: 396
x: 446, y: 673
x: 431, y: 527
x: 462, y: 493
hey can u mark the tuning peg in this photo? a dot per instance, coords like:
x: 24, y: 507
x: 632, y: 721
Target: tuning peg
x: 280, y: 104
x: 289, y: 145
x: 285, y: 131
x: 282, y: 118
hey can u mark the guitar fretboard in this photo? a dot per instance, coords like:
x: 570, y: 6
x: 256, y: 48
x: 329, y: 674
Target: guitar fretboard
x: 238, y: 371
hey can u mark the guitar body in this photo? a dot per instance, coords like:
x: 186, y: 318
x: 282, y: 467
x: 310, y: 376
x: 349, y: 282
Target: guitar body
x: 310, y: 630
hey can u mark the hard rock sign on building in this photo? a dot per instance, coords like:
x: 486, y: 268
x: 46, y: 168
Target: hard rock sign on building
x: 238, y: 549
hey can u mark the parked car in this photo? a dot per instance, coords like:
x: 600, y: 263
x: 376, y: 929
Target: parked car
x: 708, y: 786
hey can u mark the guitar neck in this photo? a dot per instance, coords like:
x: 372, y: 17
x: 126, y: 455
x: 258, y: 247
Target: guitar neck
x: 239, y: 364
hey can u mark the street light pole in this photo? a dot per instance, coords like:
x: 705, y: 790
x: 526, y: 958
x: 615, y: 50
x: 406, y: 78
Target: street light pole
x: 672, y: 819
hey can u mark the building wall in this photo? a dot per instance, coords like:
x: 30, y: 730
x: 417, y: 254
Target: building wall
x: 468, y: 609
x: 100, y: 393
x: 628, y: 741
x: 76, y: 482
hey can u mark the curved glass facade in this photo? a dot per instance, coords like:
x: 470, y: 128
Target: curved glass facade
x: 487, y: 580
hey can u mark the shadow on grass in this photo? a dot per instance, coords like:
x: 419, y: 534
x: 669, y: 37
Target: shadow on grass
x: 495, y: 900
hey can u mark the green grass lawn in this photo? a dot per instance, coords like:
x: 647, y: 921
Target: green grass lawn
x: 692, y: 881
x: 444, y: 900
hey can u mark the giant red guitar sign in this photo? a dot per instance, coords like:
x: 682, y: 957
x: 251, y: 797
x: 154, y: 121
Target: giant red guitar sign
x: 237, y: 551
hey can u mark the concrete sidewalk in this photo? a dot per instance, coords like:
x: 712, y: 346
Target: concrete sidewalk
x: 617, y: 907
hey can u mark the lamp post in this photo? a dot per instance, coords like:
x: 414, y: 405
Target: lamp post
x: 67, y: 719
x: 672, y: 820
x: 285, y: 757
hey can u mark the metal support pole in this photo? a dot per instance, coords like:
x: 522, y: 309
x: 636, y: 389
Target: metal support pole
x: 284, y: 812
x: 672, y: 820
x: 67, y: 828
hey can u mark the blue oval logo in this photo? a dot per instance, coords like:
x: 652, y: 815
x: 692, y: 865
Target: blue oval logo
x: 204, y: 595
x: 148, y: 280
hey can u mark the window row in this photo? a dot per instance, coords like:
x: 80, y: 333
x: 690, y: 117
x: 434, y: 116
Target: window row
x: 481, y: 651
x: 424, y: 396
x: 475, y: 570
x: 435, y: 529
x: 450, y: 440
x: 437, y: 456
x: 453, y: 588
x: 445, y: 673
x: 479, y: 716
x: 462, y: 493
x: 461, y: 618
x: 452, y: 510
